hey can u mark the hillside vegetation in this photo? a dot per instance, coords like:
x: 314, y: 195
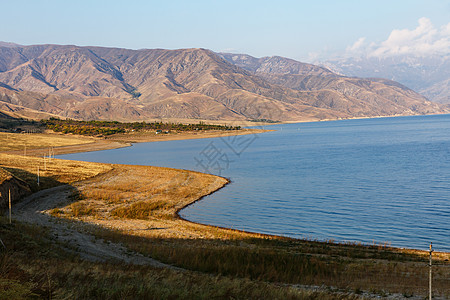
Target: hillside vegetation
x: 114, y: 127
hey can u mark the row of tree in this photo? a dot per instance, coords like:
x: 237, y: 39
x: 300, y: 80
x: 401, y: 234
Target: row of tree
x: 114, y: 127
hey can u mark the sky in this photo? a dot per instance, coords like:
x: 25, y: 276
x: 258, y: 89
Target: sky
x: 302, y: 30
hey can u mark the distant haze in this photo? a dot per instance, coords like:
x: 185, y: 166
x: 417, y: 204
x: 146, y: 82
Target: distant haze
x: 418, y: 58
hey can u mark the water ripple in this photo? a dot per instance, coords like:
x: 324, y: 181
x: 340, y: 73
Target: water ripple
x: 370, y: 181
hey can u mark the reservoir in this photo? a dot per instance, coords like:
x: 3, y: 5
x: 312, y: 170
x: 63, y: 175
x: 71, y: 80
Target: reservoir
x: 383, y: 180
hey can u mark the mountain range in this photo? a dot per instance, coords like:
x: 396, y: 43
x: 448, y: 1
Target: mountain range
x: 430, y: 76
x: 133, y: 85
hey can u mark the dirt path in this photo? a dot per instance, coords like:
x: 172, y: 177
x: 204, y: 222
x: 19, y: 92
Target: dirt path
x: 73, y: 237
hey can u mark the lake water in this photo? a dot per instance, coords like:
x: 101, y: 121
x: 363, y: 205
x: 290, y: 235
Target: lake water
x: 370, y: 180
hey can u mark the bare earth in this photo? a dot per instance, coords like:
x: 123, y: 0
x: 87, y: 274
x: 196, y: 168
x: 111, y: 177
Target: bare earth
x: 32, y: 208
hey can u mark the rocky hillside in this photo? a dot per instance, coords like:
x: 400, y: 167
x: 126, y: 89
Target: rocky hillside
x: 355, y: 96
x: 430, y: 76
x: 130, y: 85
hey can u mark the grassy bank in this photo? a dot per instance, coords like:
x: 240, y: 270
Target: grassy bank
x: 34, y: 266
x: 24, y: 142
x: 137, y: 206
x: 153, y: 228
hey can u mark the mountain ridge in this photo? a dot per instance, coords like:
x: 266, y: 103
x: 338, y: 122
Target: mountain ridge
x: 430, y: 76
x: 316, y: 79
x: 196, y: 83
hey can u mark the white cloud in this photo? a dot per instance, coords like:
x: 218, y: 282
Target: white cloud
x: 312, y: 56
x: 357, y: 46
x: 445, y: 30
x: 424, y: 40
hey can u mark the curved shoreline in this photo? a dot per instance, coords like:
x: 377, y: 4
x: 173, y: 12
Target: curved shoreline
x: 228, y: 181
x: 222, y: 227
x: 407, y: 249
x: 80, y: 149
x: 343, y: 243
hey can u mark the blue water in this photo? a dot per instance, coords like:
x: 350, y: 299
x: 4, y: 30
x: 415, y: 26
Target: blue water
x: 370, y: 181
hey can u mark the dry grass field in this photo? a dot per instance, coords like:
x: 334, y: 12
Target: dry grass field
x: 22, y: 142
x: 137, y: 206
x: 52, y: 172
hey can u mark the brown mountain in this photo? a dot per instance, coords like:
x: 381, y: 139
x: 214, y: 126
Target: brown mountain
x: 355, y: 96
x: 128, y: 85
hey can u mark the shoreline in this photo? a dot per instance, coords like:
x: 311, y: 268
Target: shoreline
x: 441, y: 255
x: 127, y: 140
x: 108, y: 144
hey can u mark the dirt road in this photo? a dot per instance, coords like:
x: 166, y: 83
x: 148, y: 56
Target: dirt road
x: 33, y: 210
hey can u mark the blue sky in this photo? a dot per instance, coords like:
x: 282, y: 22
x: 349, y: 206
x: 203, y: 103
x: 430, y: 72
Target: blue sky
x: 302, y: 30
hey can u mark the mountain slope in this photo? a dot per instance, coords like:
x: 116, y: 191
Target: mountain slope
x: 429, y: 76
x: 323, y: 88
x: 123, y: 84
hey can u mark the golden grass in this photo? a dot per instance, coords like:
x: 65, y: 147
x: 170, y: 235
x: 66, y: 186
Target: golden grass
x: 138, y: 206
x: 4, y: 175
x: 19, y: 141
x: 52, y: 172
x: 35, y: 267
x: 135, y: 197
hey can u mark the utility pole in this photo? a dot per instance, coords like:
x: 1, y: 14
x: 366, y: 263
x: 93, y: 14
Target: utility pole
x: 9, y: 206
x: 38, y: 177
x: 431, y: 262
